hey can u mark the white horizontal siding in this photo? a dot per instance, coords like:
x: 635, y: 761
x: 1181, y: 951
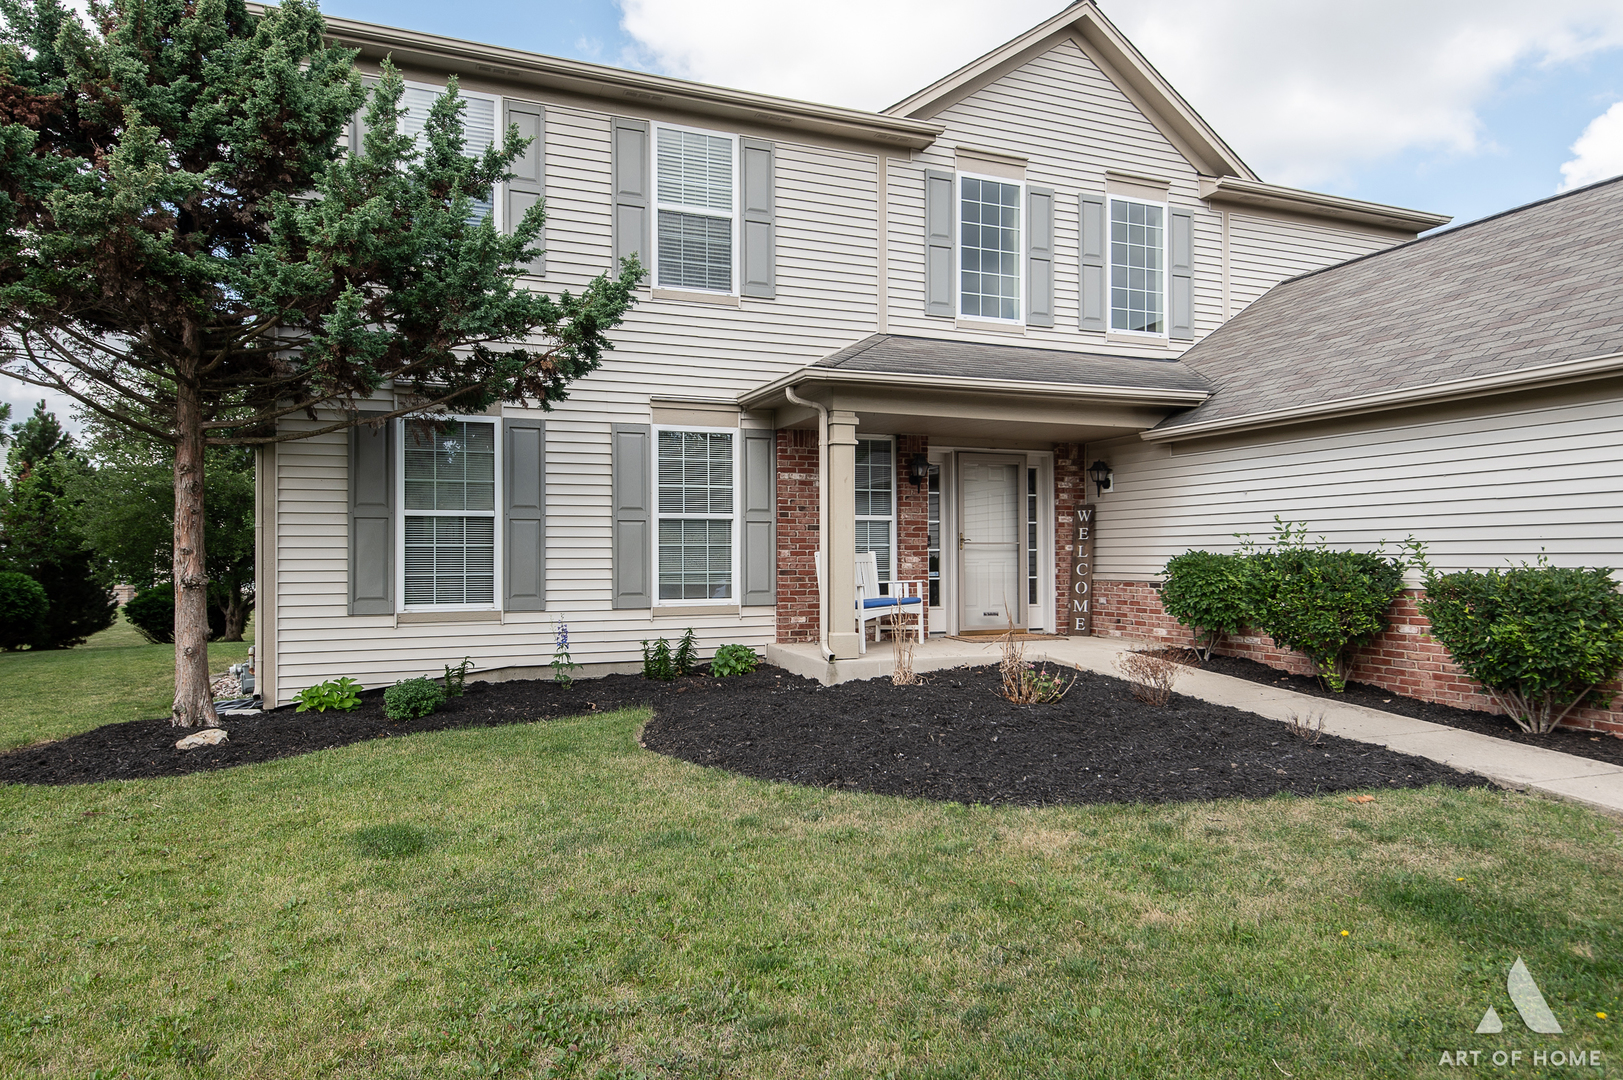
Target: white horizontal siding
x: 1478, y: 487
x: 1263, y: 251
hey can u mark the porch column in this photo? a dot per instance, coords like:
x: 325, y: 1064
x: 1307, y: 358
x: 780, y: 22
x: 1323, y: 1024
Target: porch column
x: 844, y: 640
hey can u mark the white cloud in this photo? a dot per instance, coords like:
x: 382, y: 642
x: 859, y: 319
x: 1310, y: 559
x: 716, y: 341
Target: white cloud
x: 1305, y: 92
x: 1598, y: 153
x: 22, y: 397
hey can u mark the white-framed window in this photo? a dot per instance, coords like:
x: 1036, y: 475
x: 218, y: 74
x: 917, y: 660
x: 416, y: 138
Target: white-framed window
x: 695, y: 537
x: 449, y: 538
x: 876, y: 502
x: 479, y: 130
x: 991, y: 266
x: 696, y: 209
x: 1138, y: 260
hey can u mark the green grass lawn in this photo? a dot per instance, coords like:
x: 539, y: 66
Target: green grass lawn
x: 551, y: 899
x: 114, y: 676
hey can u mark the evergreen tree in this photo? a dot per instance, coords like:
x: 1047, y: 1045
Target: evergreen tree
x: 187, y: 253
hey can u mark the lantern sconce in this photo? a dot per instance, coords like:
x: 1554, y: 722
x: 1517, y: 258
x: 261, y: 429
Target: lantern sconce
x: 919, y: 470
x: 1100, y: 472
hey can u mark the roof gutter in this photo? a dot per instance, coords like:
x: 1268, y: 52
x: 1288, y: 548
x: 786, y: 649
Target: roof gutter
x: 1237, y: 191
x: 602, y: 81
x: 1127, y: 395
x: 1595, y: 367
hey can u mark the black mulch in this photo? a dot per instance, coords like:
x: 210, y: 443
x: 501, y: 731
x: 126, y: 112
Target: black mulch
x: 953, y: 738
x: 1589, y: 744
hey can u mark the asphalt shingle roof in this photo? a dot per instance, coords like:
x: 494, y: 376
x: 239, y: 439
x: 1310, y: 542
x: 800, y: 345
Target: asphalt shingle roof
x: 892, y: 354
x: 1528, y: 288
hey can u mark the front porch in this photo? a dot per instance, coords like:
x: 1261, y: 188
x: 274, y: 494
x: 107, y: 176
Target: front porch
x: 940, y: 653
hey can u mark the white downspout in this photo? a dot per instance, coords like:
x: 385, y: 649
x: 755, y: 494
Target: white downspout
x: 822, y: 514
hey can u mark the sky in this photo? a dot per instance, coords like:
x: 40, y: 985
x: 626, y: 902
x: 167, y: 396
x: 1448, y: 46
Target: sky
x: 1464, y: 107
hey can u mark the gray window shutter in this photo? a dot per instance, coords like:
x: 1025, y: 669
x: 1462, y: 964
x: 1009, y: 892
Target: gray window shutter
x: 357, y: 123
x: 529, y: 183
x: 760, y: 539
x: 939, y: 215
x: 757, y: 184
x: 633, y: 516
x: 1092, y: 278
x: 524, y: 515
x: 631, y: 195
x: 1181, y: 279
x: 371, y: 519
x: 1039, y: 256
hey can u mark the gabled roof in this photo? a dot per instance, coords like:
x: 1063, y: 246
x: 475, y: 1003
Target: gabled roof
x: 1167, y: 108
x: 1532, y: 296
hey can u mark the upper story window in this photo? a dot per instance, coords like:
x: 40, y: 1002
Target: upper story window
x: 448, y: 513
x: 1137, y: 266
x: 989, y: 251
x: 478, y: 128
x: 695, y: 471
x: 697, y: 209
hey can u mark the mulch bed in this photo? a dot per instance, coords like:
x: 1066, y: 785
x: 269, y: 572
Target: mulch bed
x: 1598, y: 746
x: 952, y: 738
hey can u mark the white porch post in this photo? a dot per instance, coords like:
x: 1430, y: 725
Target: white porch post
x: 844, y: 640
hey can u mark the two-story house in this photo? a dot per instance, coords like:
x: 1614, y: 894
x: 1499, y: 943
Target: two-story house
x: 901, y: 333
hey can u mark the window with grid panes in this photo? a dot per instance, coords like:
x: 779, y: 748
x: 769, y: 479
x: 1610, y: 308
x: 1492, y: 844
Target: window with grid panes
x: 1137, y: 266
x: 1031, y: 539
x: 876, y: 501
x: 449, y: 513
x: 693, y: 187
x: 988, y: 248
x: 695, y: 534
x: 478, y: 130
x: 933, y: 539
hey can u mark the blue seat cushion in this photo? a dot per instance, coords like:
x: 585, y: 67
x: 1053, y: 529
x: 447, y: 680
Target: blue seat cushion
x: 890, y: 601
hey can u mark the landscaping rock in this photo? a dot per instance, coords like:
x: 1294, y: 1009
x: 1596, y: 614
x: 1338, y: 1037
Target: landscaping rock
x: 207, y: 737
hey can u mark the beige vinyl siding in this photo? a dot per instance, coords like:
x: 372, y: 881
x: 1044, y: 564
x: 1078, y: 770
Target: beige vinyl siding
x: 1265, y: 250
x: 1502, y: 480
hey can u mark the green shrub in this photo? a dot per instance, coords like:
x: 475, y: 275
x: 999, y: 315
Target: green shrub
x: 657, y: 662
x: 412, y: 698
x: 1540, y: 639
x: 1322, y: 603
x: 343, y: 695
x: 687, y: 653
x: 456, y: 678
x: 152, y: 612
x: 1210, y: 594
x: 23, y: 606
x: 734, y: 660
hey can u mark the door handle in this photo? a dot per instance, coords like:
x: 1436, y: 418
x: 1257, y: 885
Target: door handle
x: 960, y: 541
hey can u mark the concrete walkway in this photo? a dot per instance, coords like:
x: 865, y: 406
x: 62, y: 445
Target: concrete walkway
x: 1565, y: 776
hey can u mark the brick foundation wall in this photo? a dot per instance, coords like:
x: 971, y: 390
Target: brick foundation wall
x: 797, y: 535
x: 1405, y: 659
x: 1070, y: 491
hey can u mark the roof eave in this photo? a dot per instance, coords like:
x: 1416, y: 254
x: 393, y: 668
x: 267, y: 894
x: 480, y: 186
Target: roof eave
x: 602, y: 81
x: 1238, y: 191
x: 1571, y: 371
x: 769, y: 394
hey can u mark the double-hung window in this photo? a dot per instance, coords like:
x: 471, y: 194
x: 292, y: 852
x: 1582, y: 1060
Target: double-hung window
x: 478, y: 129
x: 449, y: 477
x: 696, y: 474
x: 1137, y: 266
x: 876, y: 501
x: 696, y: 202
x: 989, y: 248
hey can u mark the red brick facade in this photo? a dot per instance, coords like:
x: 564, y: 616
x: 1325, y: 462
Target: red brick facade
x: 912, y: 515
x: 1405, y: 659
x: 797, y: 535
x: 1070, y: 491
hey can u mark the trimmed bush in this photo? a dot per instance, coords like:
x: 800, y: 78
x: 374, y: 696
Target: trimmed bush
x: 412, y: 698
x: 1210, y: 594
x: 23, y: 607
x: 152, y: 612
x: 733, y: 660
x: 1540, y: 639
x: 1322, y: 603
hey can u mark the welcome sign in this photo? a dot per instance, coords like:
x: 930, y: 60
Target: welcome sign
x: 1082, y: 570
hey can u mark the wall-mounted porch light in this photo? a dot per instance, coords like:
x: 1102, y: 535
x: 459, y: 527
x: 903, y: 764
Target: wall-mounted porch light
x: 919, y: 470
x: 1100, y: 473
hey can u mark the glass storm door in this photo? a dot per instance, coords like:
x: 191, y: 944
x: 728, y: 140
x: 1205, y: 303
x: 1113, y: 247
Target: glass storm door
x: 990, y: 490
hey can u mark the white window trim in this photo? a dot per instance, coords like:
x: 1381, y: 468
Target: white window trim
x: 895, y: 472
x: 653, y: 239
x: 1166, y: 258
x: 958, y: 243
x: 500, y: 138
x: 402, y: 513
x: 734, y: 600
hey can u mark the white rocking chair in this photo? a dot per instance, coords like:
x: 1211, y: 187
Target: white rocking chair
x: 872, y: 605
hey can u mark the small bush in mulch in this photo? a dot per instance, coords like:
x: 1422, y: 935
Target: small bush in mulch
x: 1597, y: 746
x: 952, y: 738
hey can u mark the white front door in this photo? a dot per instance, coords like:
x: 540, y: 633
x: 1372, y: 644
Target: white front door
x: 990, y: 491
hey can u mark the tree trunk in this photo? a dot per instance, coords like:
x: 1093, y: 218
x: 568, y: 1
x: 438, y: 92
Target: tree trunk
x: 194, y: 705
x: 237, y: 608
